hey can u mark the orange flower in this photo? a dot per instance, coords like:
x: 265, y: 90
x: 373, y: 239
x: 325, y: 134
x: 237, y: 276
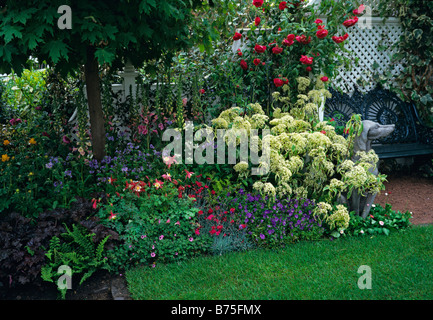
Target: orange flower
x: 6, y: 142
x: 5, y: 158
x: 32, y: 141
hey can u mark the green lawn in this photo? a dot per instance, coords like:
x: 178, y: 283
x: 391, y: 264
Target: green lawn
x: 401, y: 268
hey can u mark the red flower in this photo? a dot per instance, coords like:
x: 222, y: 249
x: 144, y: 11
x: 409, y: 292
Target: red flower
x: 337, y: 39
x: 318, y: 21
x: 239, y: 53
x: 244, y: 64
x: 257, y: 3
x: 112, y: 215
x: 200, y: 212
x: 282, y: 5
x: 257, y: 21
x: 306, y: 60
x: 256, y: 61
x: 285, y: 80
x: 350, y: 22
x: 242, y: 226
x: 303, y: 39
x: 277, y: 50
x: 359, y: 11
x: 259, y: 49
x: 237, y: 36
x: 323, y: 131
x: 324, y: 79
x: 308, y: 69
x: 202, y: 91
x: 278, y: 82
x: 232, y: 210
x: 321, y: 33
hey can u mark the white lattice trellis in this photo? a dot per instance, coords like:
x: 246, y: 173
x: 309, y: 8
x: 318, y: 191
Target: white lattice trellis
x: 371, y: 42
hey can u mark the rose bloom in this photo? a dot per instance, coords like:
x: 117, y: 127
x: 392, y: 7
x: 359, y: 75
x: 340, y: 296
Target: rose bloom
x: 257, y: 21
x: 240, y: 53
x: 277, y: 50
x: 322, y: 33
x: 308, y: 69
x: 244, y: 64
x: 257, y: 3
x: 303, y: 39
x: 318, y: 21
x: 278, y: 82
x: 287, y: 43
x: 237, y: 36
x: 324, y: 79
x: 256, y: 61
x: 306, y: 60
x: 202, y: 91
x: 350, y: 22
x: 282, y: 5
x: 259, y: 49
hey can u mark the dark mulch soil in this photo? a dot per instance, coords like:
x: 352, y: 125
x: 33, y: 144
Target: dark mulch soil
x: 100, y: 286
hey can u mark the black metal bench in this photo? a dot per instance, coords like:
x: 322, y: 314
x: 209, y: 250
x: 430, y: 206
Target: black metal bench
x: 410, y: 137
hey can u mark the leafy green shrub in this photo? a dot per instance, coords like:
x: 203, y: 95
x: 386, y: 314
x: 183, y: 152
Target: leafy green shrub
x: 380, y: 221
x: 155, y: 221
x: 77, y: 251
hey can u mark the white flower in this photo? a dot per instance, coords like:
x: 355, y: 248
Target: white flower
x: 381, y: 223
x: 362, y: 231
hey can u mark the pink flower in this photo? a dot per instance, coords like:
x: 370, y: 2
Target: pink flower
x: 142, y: 129
x: 161, y: 126
x: 184, y: 101
x: 152, y: 254
x: 66, y: 140
x: 197, y: 231
x: 169, y: 161
x: 191, y: 239
x: 178, y: 223
x: 161, y: 237
x: 188, y: 174
x: 168, y: 220
x: 166, y: 176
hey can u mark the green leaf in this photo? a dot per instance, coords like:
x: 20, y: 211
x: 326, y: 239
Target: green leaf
x: 56, y: 49
x: 385, y: 231
x: 10, y: 32
x: 104, y: 55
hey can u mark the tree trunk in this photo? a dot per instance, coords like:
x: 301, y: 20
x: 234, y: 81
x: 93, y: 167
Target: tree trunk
x: 93, y: 88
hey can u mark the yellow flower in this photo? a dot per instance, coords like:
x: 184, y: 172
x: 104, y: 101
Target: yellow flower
x: 32, y: 141
x: 6, y: 142
x: 5, y: 158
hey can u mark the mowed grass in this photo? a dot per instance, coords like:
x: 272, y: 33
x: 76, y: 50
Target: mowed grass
x: 401, y: 268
